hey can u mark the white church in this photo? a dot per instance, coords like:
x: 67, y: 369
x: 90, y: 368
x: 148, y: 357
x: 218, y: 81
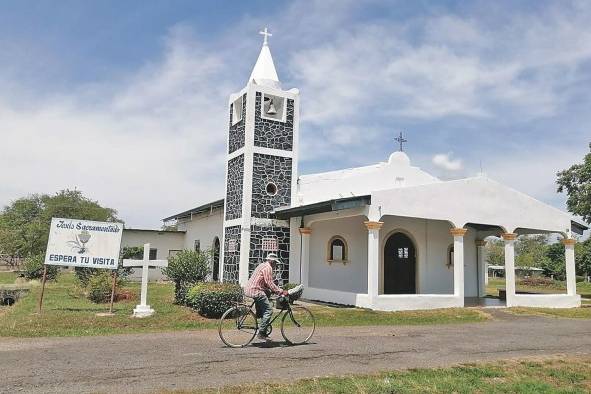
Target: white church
x: 387, y: 236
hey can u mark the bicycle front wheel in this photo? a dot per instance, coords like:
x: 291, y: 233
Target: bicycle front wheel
x: 238, y: 326
x: 298, y: 325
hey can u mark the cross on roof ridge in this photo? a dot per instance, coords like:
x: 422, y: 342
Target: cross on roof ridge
x: 401, y: 140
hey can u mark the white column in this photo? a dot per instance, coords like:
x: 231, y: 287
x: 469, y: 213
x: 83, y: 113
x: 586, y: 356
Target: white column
x: 509, y: 239
x: 145, y: 273
x: 305, y: 256
x: 569, y: 258
x: 373, y: 259
x: 482, y: 268
x: 458, y: 234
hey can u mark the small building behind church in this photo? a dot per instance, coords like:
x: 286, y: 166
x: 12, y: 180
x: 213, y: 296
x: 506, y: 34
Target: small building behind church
x: 387, y: 236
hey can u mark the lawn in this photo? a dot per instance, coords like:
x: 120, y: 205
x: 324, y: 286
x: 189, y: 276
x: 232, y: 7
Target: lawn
x: 548, y: 376
x: 66, y: 312
x: 7, y: 277
x: 558, y: 287
x: 571, y: 313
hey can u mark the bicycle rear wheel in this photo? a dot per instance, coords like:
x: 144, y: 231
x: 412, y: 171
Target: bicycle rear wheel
x: 298, y: 325
x: 238, y: 326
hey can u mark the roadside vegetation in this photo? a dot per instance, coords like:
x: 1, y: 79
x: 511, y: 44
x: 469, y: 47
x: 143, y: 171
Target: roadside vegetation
x: 67, y: 312
x: 572, y: 375
x: 538, y: 286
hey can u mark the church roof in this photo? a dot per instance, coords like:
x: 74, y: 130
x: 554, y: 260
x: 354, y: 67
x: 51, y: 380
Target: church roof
x: 395, y: 173
x: 323, y: 206
x: 264, y: 72
x: 200, y: 209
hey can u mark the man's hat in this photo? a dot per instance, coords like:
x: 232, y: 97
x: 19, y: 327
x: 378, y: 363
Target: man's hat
x: 272, y: 257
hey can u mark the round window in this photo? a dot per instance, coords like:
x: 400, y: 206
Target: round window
x: 271, y: 189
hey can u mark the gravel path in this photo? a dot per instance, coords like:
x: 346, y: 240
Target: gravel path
x: 183, y: 360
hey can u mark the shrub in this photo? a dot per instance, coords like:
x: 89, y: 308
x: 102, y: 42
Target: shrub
x: 33, y: 268
x: 128, y: 252
x: 99, y: 287
x: 537, y: 281
x: 213, y: 299
x: 289, y: 286
x: 185, y: 269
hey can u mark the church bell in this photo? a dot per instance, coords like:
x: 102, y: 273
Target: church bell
x: 271, y: 110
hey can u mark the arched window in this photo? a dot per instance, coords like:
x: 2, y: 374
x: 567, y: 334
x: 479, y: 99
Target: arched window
x: 337, y: 250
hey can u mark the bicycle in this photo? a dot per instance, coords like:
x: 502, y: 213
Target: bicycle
x: 239, y: 325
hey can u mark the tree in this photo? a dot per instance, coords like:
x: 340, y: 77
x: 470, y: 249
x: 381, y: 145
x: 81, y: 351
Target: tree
x: 576, y: 182
x: 24, y: 224
x: 495, y: 252
x: 554, y: 264
x: 583, y: 258
x: 530, y: 251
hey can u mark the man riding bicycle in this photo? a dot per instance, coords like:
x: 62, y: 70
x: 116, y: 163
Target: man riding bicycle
x: 261, y: 282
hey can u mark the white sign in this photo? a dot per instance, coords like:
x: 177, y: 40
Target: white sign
x: 84, y: 243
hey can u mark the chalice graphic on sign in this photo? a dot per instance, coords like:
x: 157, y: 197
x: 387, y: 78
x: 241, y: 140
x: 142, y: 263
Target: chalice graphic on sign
x: 79, y: 244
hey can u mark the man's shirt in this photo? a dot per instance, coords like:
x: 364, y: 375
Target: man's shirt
x: 260, y: 280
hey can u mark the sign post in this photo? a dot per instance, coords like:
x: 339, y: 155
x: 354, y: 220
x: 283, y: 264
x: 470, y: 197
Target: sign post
x: 113, y: 292
x: 82, y: 243
x: 42, y: 287
x: 143, y: 309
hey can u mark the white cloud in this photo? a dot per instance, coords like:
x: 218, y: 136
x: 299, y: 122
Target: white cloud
x: 153, y: 143
x: 154, y: 146
x: 445, y: 162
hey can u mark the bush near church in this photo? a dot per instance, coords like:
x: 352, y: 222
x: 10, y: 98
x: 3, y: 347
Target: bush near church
x: 98, y: 283
x: 212, y: 299
x: 33, y: 268
x: 185, y: 270
x: 99, y: 287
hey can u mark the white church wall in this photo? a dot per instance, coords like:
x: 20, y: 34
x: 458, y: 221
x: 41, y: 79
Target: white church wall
x: 432, y: 240
x: 165, y: 243
x: 203, y: 228
x: 294, y: 251
x: 350, y: 277
x: 470, y: 264
x: 471, y: 200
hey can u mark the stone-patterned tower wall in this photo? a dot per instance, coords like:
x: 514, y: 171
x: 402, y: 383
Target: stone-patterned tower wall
x: 261, y: 176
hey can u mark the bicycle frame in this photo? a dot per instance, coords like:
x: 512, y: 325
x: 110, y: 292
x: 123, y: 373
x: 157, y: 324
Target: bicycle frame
x: 281, y: 312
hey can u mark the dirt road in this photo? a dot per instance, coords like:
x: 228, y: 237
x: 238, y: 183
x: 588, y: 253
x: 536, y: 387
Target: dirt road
x: 147, y: 362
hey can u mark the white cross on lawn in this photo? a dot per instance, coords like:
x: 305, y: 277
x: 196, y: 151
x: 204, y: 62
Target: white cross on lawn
x: 143, y: 309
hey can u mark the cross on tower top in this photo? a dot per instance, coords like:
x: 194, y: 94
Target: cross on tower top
x: 401, y: 140
x: 266, y: 34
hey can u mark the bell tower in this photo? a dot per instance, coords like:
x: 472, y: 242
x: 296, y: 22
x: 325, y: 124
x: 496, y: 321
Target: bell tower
x: 261, y: 171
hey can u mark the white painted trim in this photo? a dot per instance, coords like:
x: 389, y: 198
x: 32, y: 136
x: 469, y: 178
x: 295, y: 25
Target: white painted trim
x: 273, y: 152
x: 385, y: 302
x: 236, y: 153
x: 545, y: 300
x: 233, y: 222
x: 269, y: 222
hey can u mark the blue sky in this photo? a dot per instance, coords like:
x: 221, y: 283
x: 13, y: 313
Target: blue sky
x: 126, y: 101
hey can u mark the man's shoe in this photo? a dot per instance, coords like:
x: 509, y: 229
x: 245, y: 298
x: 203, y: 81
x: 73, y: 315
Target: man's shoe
x: 262, y: 336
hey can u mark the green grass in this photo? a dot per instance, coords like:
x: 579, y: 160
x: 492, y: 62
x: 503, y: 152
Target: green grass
x: 524, y: 377
x: 7, y: 277
x: 572, y: 313
x: 66, y: 312
x: 336, y: 317
x: 558, y: 287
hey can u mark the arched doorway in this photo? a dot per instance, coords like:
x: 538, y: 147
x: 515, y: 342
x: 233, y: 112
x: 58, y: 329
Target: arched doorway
x: 399, y: 265
x: 216, y: 259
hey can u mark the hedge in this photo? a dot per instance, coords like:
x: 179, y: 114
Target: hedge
x: 212, y: 299
x: 33, y: 268
x: 185, y: 269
